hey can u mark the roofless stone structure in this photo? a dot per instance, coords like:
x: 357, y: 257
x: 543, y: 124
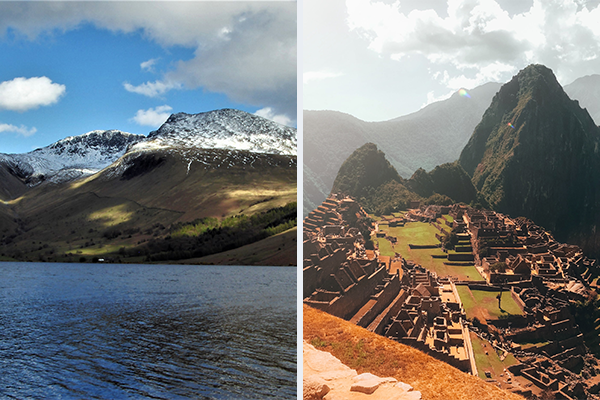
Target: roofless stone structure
x: 395, y: 298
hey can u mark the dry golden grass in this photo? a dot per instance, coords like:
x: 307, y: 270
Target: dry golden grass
x: 368, y: 352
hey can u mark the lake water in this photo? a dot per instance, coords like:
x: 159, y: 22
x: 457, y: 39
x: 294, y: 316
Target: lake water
x: 97, y: 331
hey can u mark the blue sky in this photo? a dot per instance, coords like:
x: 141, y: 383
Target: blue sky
x: 69, y: 68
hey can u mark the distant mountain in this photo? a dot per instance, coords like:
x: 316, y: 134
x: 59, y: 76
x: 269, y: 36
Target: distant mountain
x: 586, y: 90
x: 369, y: 177
x: 70, y: 158
x: 365, y: 169
x: 535, y: 154
x: 448, y: 179
x: 138, y: 194
x: 429, y: 137
x: 84, y: 155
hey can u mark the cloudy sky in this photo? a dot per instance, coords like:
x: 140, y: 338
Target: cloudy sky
x: 71, y: 67
x: 380, y: 59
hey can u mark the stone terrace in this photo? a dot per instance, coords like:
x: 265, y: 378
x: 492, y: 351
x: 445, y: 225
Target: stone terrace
x: 411, y: 305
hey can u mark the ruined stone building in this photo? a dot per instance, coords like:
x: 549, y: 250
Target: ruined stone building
x: 395, y: 298
x: 409, y: 305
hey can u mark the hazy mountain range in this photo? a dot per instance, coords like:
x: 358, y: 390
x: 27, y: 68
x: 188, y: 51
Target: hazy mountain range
x: 429, y: 137
x: 535, y: 153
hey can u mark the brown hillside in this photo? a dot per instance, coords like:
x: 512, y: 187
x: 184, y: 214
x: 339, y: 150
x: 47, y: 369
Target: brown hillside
x: 368, y: 352
x: 278, y: 250
x: 112, y: 211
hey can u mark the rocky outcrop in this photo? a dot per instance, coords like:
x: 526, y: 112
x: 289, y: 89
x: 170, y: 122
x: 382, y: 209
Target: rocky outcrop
x: 325, y: 377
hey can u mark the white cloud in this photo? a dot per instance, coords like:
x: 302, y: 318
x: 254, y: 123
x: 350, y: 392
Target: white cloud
x: 148, y: 65
x: 254, y: 64
x: 151, y: 89
x: 21, y: 130
x: 22, y: 94
x: 478, y: 40
x: 493, y: 72
x: 432, y: 98
x: 244, y: 49
x: 153, y: 117
x: 309, y: 76
x: 268, y: 113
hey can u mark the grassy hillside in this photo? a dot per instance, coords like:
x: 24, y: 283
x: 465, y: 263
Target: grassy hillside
x: 10, y: 186
x: 107, y: 214
x: 274, y: 250
x: 368, y: 352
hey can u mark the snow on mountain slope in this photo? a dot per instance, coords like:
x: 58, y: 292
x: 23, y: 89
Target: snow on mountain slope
x: 223, y: 129
x: 71, y: 157
x: 84, y: 155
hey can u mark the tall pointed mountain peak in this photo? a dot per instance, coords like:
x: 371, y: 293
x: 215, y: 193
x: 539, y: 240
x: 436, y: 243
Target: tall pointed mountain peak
x: 535, y: 153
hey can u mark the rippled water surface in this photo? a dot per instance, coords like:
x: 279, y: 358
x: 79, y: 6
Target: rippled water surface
x: 147, y: 331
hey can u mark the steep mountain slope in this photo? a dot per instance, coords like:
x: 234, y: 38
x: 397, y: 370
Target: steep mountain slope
x: 224, y: 129
x: 432, y: 136
x: 449, y: 179
x: 535, y: 153
x: 10, y: 184
x: 70, y: 158
x: 365, y: 169
x: 368, y: 176
x: 586, y: 90
x: 160, y: 182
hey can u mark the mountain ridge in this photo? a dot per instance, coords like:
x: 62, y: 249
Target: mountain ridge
x: 535, y: 153
x: 416, y: 140
x: 83, y: 155
x: 142, y: 200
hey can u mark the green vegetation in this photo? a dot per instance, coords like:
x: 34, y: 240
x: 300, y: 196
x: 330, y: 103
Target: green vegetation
x: 459, y: 272
x: 208, y: 236
x: 103, y: 216
x: 529, y: 124
x: 450, y: 241
x: 421, y: 233
x: 498, y: 267
x: 364, y: 170
x: 369, y: 177
x: 587, y: 316
x: 483, y: 304
x: 491, y: 361
x: 384, y: 246
x: 446, y: 182
x: 390, y: 197
x: 529, y: 345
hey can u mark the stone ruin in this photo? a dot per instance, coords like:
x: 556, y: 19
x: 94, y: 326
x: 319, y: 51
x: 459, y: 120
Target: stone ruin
x: 410, y: 305
x: 415, y: 307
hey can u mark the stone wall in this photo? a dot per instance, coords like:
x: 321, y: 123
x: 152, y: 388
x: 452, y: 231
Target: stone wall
x: 348, y: 304
x: 384, y: 298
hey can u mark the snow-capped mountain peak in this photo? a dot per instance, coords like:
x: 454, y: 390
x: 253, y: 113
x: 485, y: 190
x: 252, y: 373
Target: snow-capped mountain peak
x: 225, y: 129
x: 86, y: 154
x: 72, y: 157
